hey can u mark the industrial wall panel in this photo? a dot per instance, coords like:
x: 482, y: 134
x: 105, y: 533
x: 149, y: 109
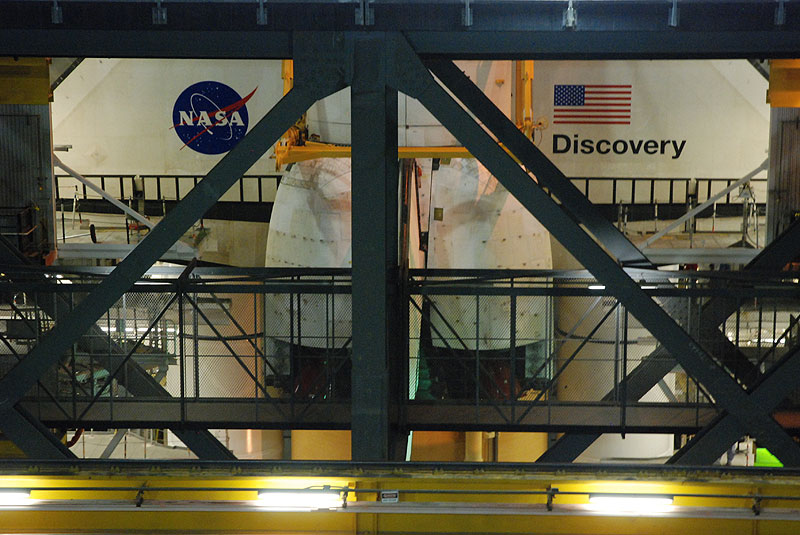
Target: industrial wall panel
x: 26, y: 171
x: 783, y: 195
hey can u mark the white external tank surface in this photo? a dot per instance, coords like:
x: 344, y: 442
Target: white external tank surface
x: 473, y: 223
x: 706, y: 118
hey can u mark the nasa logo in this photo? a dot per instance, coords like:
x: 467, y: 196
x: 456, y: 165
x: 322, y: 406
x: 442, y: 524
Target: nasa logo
x: 210, y: 117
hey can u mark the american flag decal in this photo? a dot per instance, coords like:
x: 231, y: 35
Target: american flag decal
x: 592, y: 104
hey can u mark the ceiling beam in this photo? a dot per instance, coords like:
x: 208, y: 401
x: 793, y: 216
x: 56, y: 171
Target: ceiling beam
x: 530, y: 29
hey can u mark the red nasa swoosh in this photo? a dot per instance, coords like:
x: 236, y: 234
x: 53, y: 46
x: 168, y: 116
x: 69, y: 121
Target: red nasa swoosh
x: 228, y: 111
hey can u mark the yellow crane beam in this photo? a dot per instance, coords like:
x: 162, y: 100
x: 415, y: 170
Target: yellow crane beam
x: 418, y: 500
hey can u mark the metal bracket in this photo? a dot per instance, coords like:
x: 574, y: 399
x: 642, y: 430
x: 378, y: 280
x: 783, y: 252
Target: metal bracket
x: 570, y: 18
x: 757, y: 505
x: 56, y: 15
x: 139, y: 497
x: 261, y: 14
x: 466, y: 13
x: 365, y: 13
x: 551, y: 493
x: 674, y: 15
x: 780, y: 13
x: 159, y: 13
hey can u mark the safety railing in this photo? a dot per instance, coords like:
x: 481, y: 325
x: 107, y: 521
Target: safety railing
x: 155, y: 195
x: 652, y: 191
x: 556, y: 350
x: 275, y: 346
x: 527, y: 350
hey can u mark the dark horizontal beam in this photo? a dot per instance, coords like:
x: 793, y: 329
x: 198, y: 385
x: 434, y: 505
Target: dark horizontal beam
x: 195, y: 414
x: 513, y: 29
x: 458, y: 44
x: 147, y: 468
x: 251, y: 413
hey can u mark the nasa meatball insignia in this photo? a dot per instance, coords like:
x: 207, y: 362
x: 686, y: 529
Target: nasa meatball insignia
x: 563, y: 144
x: 210, y: 117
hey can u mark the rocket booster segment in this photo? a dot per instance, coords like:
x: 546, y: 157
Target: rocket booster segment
x: 566, y: 144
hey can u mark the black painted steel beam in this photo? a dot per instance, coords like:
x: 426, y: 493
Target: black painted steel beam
x: 455, y: 415
x: 109, y: 355
x: 530, y: 29
x: 657, y: 364
x: 15, y: 384
x: 710, y: 443
x: 547, y: 174
x: 33, y: 438
x: 412, y: 78
x: 375, y: 179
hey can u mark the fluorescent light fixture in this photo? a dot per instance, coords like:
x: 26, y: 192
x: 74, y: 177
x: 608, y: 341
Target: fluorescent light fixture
x: 15, y: 497
x: 596, y: 287
x: 631, y: 503
x: 649, y: 287
x: 324, y: 498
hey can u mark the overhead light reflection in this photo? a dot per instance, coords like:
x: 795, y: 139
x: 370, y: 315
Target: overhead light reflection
x: 15, y: 497
x: 307, y: 499
x: 631, y: 503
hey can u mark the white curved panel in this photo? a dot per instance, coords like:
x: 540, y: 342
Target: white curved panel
x: 330, y: 117
x: 310, y: 227
x: 477, y: 224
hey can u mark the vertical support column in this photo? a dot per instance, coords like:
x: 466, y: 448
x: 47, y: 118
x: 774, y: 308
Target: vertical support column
x: 374, y: 229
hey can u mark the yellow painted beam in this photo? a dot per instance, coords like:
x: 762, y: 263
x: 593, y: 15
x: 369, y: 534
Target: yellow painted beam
x: 523, y: 98
x: 784, y: 83
x: 177, y: 522
x: 430, y: 491
x: 24, y: 81
x: 311, y: 151
x: 287, y: 154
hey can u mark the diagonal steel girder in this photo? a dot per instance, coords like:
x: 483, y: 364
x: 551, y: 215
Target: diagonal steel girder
x: 714, y: 439
x: 660, y: 362
x: 33, y: 438
x: 411, y: 77
x: 548, y: 175
x: 581, y: 209
x: 135, y: 379
x: 16, y: 383
x: 657, y: 364
x: 572, y: 200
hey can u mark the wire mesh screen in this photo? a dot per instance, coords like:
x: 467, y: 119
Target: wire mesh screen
x: 180, y: 346
x: 258, y: 351
x: 568, y: 342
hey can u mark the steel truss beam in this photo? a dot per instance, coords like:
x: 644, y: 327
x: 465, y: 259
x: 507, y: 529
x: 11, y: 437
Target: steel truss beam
x: 412, y: 78
x: 520, y: 29
x: 573, y: 201
x: 659, y: 363
x: 309, y: 88
x: 436, y: 416
x: 547, y: 174
x: 135, y: 379
x: 711, y: 442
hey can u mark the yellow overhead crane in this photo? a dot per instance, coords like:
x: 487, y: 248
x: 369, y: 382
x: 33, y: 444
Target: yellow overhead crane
x: 152, y: 497
x: 24, y: 81
x: 295, y: 147
x: 784, y: 83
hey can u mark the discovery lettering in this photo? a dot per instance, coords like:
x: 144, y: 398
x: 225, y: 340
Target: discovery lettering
x: 564, y: 143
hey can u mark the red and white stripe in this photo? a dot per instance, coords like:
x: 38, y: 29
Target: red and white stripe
x: 603, y: 104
